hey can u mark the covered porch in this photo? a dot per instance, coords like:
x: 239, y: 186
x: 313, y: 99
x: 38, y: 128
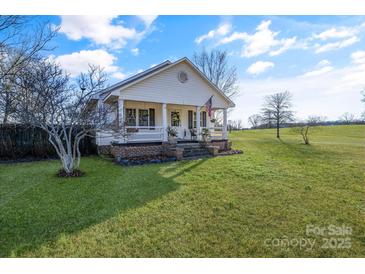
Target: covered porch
x: 144, y: 122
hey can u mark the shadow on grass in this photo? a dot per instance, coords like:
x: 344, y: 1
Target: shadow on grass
x: 181, y: 167
x: 55, y: 206
x: 308, y: 151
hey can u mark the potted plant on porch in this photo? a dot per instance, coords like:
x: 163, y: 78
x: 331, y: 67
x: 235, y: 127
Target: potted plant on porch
x: 205, y: 135
x: 172, y: 134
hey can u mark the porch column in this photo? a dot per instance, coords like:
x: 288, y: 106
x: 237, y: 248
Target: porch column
x: 224, y: 131
x: 164, y: 122
x: 198, y: 122
x: 121, y: 112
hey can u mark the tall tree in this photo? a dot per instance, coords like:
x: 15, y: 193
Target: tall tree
x: 54, y: 103
x: 277, y: 107
x: 20, y: 43
x: 216, y: 68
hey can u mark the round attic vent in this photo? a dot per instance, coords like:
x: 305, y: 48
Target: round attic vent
x: 183, y: 77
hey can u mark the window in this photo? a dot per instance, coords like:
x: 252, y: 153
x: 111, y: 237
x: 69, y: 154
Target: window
x: 182, y: 76
x: 175, y: 119
x: 203, y: 119
x: 130, y: 116
x: 152, y: 117
x: 190, y: 119
x: 143, y: 117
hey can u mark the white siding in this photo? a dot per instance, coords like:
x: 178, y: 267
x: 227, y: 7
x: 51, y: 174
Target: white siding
x: 164, y: 87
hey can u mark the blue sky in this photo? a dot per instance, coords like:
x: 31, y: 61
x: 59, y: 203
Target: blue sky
x: 319, y: 59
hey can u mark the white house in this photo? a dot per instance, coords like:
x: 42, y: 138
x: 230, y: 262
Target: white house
x: 169, y: 94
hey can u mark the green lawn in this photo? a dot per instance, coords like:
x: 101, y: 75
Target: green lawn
x: 216, y: 207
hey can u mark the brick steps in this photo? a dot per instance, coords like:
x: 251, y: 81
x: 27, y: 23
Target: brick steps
x: 193, y: 150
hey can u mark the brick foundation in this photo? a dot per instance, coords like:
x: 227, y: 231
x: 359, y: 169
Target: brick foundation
x: 104, y: 150
x: 158, y: 149
x: 222, y: 145
x: 125, y: 151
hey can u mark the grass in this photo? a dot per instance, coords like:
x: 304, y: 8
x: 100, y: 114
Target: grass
x: 216, y: 207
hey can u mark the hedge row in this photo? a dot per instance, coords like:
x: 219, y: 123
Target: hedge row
x: 23, y: 141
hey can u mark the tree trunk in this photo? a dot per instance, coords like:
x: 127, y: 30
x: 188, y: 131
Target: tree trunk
x: 67, y: 163
x: 277, y: 130
x: 5, y: 120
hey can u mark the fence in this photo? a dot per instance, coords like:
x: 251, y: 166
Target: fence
x: 23, y: 141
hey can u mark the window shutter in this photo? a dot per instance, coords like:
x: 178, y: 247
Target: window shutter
x: 204, y: 118
x: 152, y: 117
x: 190, y: 119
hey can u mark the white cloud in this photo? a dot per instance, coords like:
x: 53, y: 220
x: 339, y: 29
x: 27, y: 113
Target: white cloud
x: 286, y: 44
x: 331, y: 33
x: 77, y: 62
x: 336, y: 45
x: 358, y: 57
x: 337, y: 38
x: 148, y: 19
x: 233, y: 37
x: 322, y: 67
x: 119, y: 75
x: 100, y: 29
x: 323, y: 63
x: 262, y: 41
x: 220, y: 31
x: 259, y: 67
x: 318, y: 72
x: 135, y: 51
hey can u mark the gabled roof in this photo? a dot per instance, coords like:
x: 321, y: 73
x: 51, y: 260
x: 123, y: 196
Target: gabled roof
x: 104, y: 93
x: 157, y: 69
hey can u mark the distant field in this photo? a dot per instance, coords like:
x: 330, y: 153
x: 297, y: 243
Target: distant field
x: 257, y: 204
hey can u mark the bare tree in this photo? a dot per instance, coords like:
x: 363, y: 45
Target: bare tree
x: 277, y: 107
x: 347, y: 118
x: 239, y: 124
x: 234, y: 125
x: 20, y: 43
x: 62, y: 108
x: 314, y: 120
x: 255, y: 120
x: 363, y: 116
x: 303, y: 131
x: 267, y: 118
x: 216, y: 68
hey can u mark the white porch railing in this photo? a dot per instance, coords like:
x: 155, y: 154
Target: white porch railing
x: 216, y: 133
x: 156, y: 133
x: 144, y: 133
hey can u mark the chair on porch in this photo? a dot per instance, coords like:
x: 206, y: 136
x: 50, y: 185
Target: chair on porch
x: 193, y: 134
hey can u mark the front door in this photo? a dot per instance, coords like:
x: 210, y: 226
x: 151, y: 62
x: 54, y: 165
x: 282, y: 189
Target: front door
x: 176, y: 122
